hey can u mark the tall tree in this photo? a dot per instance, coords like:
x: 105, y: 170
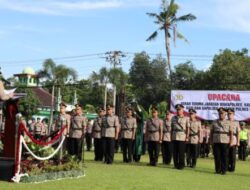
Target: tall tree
x: 29, y: 104
x: 101, y: 79
x: 115, y: 76
x: 184, y: 75
x: 229, y: 71
x: 58, y: 74
x: 149, y: 79
x: 167, y: 21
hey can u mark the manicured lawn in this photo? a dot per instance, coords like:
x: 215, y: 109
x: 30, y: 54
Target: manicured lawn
x: 140, y: 176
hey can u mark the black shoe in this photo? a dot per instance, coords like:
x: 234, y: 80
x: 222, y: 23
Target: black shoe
x: 180, y: 168
x: 218, y: 172
x: 223, y: 173
x: 154, y: 164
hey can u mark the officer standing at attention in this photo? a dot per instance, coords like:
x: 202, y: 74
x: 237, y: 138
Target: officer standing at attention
x: 88, y: 135
x: 154, y: 133
x: 128, y: 129
x: 38, y: 129
x: 236, y: 140
x: 63, y: 120
x: 167, y: 146
x: 243, y: 141
x: 96, y: 134
x: 110, y: 132
x: 32, y: 125
x: 221, y: 138
x: 194, y: 138
x: 44, y: 131
x: 76, y: 133
x: 180, y: 135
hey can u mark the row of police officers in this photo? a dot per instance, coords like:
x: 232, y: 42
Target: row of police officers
x: 107, y: 128
x: 181, y: 134
x: 178, y: 136
x: 74, y: 126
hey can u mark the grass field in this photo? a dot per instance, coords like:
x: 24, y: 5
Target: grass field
x: 140, y: 176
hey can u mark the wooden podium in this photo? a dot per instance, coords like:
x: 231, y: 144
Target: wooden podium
x: 7, y: 162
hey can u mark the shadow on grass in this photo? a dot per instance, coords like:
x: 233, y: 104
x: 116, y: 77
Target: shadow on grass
x: 169, y: 167
x: 143, y: 163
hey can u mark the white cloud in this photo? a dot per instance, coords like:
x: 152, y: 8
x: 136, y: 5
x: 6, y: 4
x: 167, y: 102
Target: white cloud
x: 64, y: 7
x: 87, y: 5
x: 233, y: 15
x: 28, y: 7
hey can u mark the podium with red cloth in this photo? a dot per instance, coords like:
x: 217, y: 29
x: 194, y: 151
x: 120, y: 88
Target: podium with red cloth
x: 10, y: 142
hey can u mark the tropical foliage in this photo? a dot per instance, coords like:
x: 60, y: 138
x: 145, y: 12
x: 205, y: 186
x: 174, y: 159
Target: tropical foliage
x: 167, y: 21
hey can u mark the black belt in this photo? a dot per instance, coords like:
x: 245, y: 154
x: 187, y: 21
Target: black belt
x: 194, y: 134
x: 221, y: 132
x: 97, y: 131
x: 179, y: 130
x: 126, y: 129
x: 77, y: 129
x: 153, y: 131
x: 166, y: 132
x: 109, y: 127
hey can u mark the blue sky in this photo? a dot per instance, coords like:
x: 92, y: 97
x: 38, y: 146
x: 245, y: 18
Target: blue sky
x: 40, y: 29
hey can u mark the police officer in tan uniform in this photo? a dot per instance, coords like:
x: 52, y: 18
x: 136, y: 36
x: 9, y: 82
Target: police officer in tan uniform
x: 154, y: 133
x: 76, y: 133
x: 221, y: 136
x: 194, y: 138
x: 96, y: 134
x: 44, y: 130
x: 110, y: 132
x: 180, y: 135
x: 128, y: 128
x: 62, y: 120
x: 167, y: 146
x: 38, y: 129
x: 32, y: 125
x: 236, y: 140
x: 88, y: 135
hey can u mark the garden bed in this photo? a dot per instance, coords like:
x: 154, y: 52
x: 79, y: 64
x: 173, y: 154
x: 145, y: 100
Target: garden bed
x: 42, y: 171
x: 49, y: 176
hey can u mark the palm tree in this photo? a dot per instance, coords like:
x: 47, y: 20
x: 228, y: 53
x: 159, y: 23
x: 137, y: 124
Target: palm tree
x: 55, y: 75
x: 167, y: 21
x: 103, y: 79
x: 115, y: 76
